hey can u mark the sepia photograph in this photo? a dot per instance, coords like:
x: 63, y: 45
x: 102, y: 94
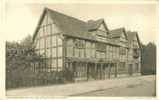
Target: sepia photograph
x: 80, y: 49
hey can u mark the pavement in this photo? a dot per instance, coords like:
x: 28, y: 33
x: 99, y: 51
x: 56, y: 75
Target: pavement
x: 143, y: 89
x: 90, y: 88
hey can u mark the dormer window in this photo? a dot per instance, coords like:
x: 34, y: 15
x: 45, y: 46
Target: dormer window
x: 135, y: 53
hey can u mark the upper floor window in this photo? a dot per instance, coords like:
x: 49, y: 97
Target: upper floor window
x: 70, y: 44
x: 136, y: 53
x: 122, y: 51
x: 79, y: 43
x: 100, y: 47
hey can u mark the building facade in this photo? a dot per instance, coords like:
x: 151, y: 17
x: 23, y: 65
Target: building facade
x: 85, y: 50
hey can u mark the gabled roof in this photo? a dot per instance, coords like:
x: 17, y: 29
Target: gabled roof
x: 77, y: 28
x: 66, y: 23
x: 116, y: 33
x: 70, y: 25
x: 95, y: 24
x: 131, y: 36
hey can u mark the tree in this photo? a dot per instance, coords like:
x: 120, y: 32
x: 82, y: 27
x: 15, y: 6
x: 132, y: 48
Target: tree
x: 148, y: 59
x: 20, y: 58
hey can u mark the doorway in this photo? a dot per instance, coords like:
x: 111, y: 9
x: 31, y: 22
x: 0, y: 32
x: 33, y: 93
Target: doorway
x: 130, y: 69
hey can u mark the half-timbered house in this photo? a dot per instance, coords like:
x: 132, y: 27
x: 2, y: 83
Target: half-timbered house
x: 87, y: 50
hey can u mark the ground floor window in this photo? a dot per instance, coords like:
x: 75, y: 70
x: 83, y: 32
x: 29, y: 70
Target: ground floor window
x: 80, y: 70
x: 121, y: 66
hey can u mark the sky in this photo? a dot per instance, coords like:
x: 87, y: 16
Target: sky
x: 21, y: 19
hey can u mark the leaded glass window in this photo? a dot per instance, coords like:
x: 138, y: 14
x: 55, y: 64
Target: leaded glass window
x: 53, y: 63
x: 53, y: 41
x: 59, y: 62
x: 59, y: 51
x: 69, y: 51
x: 59, y: 41
x: 53, y: 52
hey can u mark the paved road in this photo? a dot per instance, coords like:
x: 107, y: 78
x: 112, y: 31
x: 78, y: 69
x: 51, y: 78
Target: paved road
x: 146, y: 87
x: 129, y: 86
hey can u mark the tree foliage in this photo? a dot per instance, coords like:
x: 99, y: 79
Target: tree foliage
x: 20, y: 63
x: 20, y: 58
x: 148, y: 60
